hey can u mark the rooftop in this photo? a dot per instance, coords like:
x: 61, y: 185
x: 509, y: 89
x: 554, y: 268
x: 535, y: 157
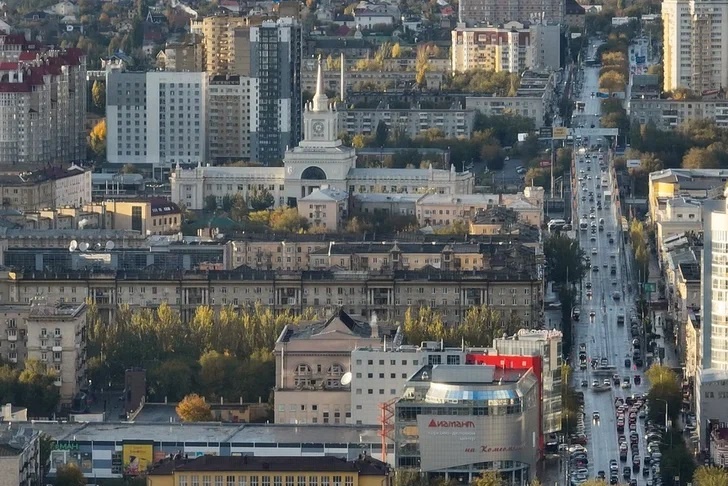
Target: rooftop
x: 338, y: 323
x: 282, y: 435
x: 56, y: 311
x: 41, y: 175
x: 14, y: 439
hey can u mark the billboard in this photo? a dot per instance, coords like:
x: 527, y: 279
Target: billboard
x: 451, y: 441
x: 137, y: 457
x: 561, y: 133
x: 634, y: 163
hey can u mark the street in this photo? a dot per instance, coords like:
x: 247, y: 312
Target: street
x: 606, y: 295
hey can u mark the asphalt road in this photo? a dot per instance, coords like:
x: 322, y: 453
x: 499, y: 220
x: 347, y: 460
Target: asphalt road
x: 601, y: 335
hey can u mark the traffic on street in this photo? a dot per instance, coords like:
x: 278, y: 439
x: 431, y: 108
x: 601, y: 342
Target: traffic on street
x: 608, y: 358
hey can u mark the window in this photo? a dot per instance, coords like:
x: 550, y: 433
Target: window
x: 206, y: 480
x: 230, y: 481
x: 254, y: 481
x: 277, y: 480
x: 312, y: 481
x: 136, y: 218
x: 349, y: 481
x: 337, y: 480
x: 195, y: 480
x: 324, y: 481
x: 218, y: 480
x: 301, y: 480
x: 242, y: 481
x: 289, y: 481
x: 183, y: 480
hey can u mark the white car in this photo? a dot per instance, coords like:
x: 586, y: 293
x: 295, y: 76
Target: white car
x: 594, y: 251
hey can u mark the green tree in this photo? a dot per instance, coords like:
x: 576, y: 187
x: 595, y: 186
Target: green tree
x: 218, y: 372
x: 193, y: 408
x: 423, y: 324
x: 98, y: 95
x: 210, y: 203
x: 227, y: 203
x: 664, y: 391
x: 710, y: 476
x: 565, y: 260
x: 261, y: 200
x: 239, y: 208
x: 359, y: 141
x: 69, y: 475
x: 38, y: 389
x: 382, y: 134
x: 480, y: 326
x: 171, y: 379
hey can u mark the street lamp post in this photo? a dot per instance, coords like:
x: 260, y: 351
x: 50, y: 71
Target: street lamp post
x: 666, y: 418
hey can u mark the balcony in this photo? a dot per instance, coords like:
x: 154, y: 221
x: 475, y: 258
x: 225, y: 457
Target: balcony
x: 12, y: 337
x: 57, y: 349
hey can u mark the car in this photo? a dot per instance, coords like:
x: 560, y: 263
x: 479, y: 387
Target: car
x: 595, y: 416
x: 613, y: 466
x: 601, y: 475
x: 607, y: 382
x: 627, y: 363
x: 637, y: 379
x: 588, y: 285
x: 595, y: 268
x: 633, y: 482
x: 592, y: 313
x: 646, y: 472
x: 593, y: 238
x: 616, y: 295
x: 626, y: 472
x: 613, y: 479
x: 589, y: 294
x: 594, y: 251
x: 595, y: 383
x: 584, y: 383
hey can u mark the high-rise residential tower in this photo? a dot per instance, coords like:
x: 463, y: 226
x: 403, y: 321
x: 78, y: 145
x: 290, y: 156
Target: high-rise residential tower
x: 495, y: 12
x: 275, y: 62
x: 695, y: 40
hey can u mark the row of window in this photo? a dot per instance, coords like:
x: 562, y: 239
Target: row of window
x: 193, y: 479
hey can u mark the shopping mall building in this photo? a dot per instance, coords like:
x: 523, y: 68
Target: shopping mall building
x: 457, y: 421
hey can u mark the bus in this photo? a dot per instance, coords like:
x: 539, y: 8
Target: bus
x: 556, y: 225
x: 580, y: 106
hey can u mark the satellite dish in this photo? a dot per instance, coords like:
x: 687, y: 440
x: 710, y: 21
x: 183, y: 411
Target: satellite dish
x: 98, y: 246
x: 110, y: 245
x: 83, y: 246
x: 346, y: 379
x: 73, y: 246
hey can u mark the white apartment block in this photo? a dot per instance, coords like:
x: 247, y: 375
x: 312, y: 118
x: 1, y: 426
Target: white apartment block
x: 156, y: 118
x: 42, y: 104
x: 669, y: 114
x: 695, y: 40
x: 513, y: 47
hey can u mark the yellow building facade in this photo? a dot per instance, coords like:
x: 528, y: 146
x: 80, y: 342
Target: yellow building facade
x: 270, y: 471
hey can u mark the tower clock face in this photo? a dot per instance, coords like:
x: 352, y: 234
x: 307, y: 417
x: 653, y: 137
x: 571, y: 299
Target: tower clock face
x: 318, y: 128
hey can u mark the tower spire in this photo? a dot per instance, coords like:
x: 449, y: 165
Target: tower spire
x: 320, y: 100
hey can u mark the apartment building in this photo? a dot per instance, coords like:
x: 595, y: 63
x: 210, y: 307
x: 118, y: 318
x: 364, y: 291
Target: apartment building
x: 495, y: 12
x: 694, y: 184
x: 512, y: 288
x: 535, y: 98
x: 147, y: 216
x: 354, y: 79
x: 513, y: 47
x: 326, y: 209
x: 696, y: 44
x: 156, y: 118
x: 186, y: 56
x: 670, y: 114
x: 249, y: 469
x: 311, y: 361
x: 20, y: 462
x: 219, y: 42
x: 49, y: 187
x: 454, y: 121
x: 54, y: 334
x: 441, y: 209
x: 275, y: 62
x: 231, y: 102
x: 43, y: 109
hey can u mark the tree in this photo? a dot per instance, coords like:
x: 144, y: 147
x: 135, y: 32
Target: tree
x: 171, y: 379
x: 97, y: 140
x: 699, y: 158
x: 261, y: 200
x: 382, y: 134
x: 69, y: 475
x: 98, y: 95
x: 396, y: 51
x: 710, y: 476
x: 38, y: 390
x: 488, y: 478
x: 287, y: 219
x: 239, y: 208
x: 664, y: 392
x: 422, y: 65
x: 359, y: 141
x: 193, y: 408
x: 227, y: 203
x: 565, y: 260
x: 210, y: 203
x: 612, y: 81
x: 129, y: 169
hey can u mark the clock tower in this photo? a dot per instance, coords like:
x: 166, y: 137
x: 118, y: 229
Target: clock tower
x: 320, y: 119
